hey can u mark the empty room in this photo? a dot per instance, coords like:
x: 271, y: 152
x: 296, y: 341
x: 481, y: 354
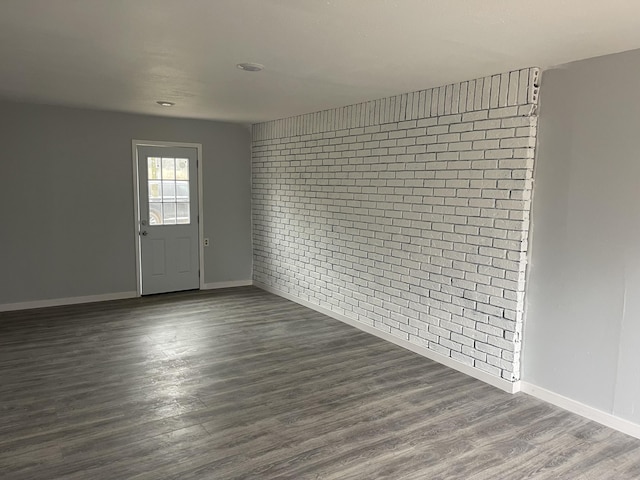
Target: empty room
x: 319, y: 239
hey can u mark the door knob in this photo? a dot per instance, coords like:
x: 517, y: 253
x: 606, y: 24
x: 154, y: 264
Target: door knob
x: 144, y: 233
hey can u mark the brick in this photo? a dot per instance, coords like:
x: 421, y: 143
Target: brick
x: 470, y: 136
x: 516, y: 122
x: 438, y: 130
x: 503, y: 112
x: 427, y: 122
x: 448, y: 119
x: 501, y: 133
x: 462, y: 358
x: 486, y: 125
x: 474, y: 116
x: 461, y: 127
x: 520, y: 142
x: 486, y: 144
x: 449, y: 137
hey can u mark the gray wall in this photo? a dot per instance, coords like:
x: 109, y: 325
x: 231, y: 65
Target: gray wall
x: 67, y: 199
x: 582, y: 329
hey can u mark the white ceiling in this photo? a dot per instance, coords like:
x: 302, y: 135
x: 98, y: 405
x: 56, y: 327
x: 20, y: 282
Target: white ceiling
x: 126, y: 54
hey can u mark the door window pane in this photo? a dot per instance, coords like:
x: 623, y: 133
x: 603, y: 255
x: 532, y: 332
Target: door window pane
x: 168, y: 191
x: 182, y: 168
x: 168, y: 168
x: 182, y: 213
x: 182, y: 191
x: 153, y: 166
x: 155, y: 214
x: 155, y: 191
x: 169, y: 217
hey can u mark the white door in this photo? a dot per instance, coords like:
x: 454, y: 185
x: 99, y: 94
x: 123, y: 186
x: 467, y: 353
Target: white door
x: 168, y: 223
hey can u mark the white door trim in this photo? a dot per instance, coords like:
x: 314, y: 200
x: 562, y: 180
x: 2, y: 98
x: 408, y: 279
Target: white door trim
x: 136, y: 203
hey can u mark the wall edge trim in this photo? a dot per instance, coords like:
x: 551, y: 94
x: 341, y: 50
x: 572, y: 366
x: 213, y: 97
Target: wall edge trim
x: 505, y: 385
x: 56, y: 302
x: 586, y: 411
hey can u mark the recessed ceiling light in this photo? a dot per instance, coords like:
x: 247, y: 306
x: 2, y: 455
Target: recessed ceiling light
x: 250, y: 67
x: 164, y: 103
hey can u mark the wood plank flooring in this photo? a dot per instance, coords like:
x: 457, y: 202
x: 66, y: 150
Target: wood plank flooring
x: 242, y: 384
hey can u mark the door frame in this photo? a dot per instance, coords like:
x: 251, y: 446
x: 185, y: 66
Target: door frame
x: 136, y: 204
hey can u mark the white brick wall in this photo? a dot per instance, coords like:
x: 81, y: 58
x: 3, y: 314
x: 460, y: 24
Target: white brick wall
x: 408, y: 213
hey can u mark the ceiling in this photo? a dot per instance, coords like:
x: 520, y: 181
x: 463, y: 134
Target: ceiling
x: 124, y: 55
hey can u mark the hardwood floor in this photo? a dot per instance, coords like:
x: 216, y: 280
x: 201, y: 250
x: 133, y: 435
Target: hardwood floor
x: 241, y: 384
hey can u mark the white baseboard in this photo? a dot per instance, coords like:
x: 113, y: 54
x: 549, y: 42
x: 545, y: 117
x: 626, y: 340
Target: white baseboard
x: 510, y: 387
x: 55, y: 302
x: 604, y: 418
x: 235, y: 283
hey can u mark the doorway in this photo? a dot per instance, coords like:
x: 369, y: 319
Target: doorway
x: 168, y: 194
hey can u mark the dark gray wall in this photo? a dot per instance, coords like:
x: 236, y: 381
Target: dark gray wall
x: 66, y: 199
x: 582, y: 329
